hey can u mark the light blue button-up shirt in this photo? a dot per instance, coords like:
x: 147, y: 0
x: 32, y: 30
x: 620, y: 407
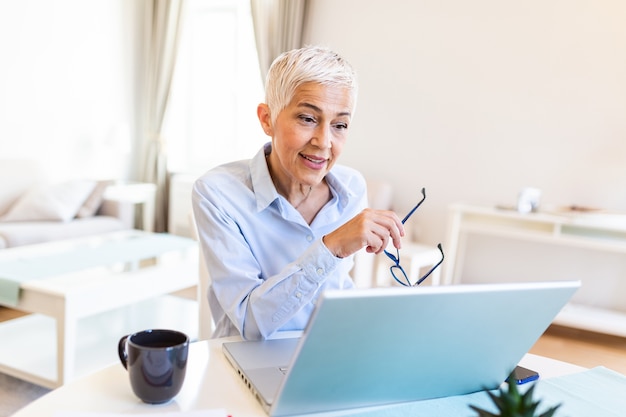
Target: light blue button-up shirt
x: 267, y: 265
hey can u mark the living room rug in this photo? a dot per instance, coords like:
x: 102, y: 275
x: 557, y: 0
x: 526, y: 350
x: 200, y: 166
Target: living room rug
x: 15, y: 394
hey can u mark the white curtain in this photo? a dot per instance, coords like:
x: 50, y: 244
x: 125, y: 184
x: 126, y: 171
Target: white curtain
x: 162, y: 21
x: 278, y: 26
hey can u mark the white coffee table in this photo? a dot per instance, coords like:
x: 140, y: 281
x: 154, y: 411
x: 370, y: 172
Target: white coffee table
x: 85, y: 310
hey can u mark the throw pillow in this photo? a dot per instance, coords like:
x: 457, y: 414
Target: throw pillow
x: 94, y: 201
x: 58, y: 202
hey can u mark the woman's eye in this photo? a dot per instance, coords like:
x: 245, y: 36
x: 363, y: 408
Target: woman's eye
x: 341, y: 126
x: 307, y: 119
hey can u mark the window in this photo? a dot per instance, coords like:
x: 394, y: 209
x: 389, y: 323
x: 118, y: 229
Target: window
x: 216, y: 88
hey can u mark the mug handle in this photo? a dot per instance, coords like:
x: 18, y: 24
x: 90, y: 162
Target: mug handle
x: 121, y: 351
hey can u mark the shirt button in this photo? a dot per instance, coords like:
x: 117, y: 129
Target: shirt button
x: 319, y: 271
x: 298, y: 295
x: 309, y: 238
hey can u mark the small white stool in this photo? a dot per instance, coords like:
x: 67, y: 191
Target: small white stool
x: 414, y: 258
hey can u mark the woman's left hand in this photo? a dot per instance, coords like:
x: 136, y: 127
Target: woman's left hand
x: 370, y: 228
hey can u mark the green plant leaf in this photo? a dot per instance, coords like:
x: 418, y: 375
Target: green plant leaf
x: 483, y: 413
x: 510, y: 403
x: 551, y: 411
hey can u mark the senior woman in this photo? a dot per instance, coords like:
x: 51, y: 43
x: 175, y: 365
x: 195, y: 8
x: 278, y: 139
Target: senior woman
x: 280, y: 228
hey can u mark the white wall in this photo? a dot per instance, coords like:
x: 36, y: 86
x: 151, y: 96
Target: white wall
x: 66, y: 85
x: 476, y: 99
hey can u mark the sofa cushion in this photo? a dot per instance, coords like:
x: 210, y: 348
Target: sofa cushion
x: 59, y: 202
x: 94, y: 201
x: 18, y: 175
x: 27, y: 233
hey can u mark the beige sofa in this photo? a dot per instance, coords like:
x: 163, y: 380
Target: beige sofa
x: 35, y: 210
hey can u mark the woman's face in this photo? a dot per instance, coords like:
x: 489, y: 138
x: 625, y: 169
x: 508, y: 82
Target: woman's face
x: 309, y: 134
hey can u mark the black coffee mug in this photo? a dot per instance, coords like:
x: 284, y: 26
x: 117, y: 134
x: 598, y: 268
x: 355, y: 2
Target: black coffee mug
x: 156, y: 361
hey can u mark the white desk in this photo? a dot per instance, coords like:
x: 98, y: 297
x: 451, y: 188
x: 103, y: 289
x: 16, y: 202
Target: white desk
x: 586, y: 230
x: 210, y: 383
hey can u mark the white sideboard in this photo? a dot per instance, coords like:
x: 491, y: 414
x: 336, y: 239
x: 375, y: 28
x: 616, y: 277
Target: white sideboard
x: 598, y: 231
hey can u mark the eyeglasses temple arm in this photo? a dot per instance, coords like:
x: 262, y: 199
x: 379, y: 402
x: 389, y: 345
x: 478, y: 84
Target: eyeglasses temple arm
x: 433, y: 268
x: 416, y: 207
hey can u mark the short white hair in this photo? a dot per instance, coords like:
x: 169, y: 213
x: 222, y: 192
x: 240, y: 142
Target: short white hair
x: 314, y: 64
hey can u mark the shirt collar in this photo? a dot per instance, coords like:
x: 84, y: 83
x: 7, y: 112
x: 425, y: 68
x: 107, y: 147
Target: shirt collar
x: 262, y: 184
x: 343, y: 192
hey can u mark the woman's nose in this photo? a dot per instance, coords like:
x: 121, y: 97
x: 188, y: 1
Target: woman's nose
x: 323, y: 137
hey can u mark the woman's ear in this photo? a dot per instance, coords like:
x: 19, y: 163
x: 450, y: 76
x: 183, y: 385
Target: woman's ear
x: 263, y: 113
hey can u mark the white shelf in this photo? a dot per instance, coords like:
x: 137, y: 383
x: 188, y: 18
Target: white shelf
x: 601, y: 232
x: 568, y: 236
x: 28, y: 348
x: 593, y: 319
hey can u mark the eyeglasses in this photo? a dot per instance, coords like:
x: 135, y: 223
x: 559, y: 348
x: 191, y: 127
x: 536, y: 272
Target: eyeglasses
x: 396, y: 270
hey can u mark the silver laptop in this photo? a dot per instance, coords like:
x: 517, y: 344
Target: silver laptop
x: 381, y: 346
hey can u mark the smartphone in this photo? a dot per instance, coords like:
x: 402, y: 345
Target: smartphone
x: 523, y: 375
